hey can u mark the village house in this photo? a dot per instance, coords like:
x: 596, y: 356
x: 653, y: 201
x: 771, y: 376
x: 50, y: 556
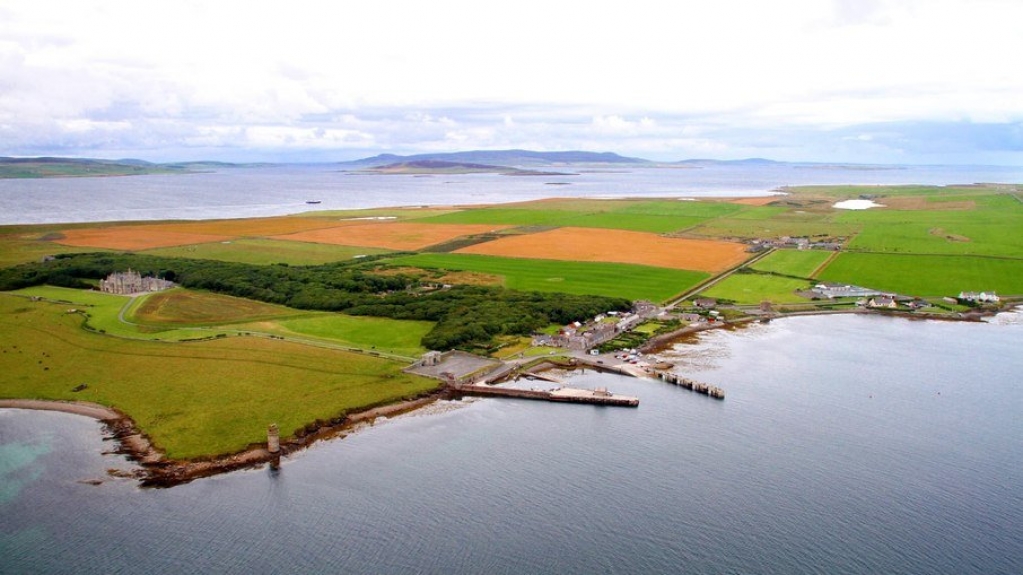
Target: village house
x: 883, y: 301
x: 705, y: 302
x: 981, y: 297
x: 645, y: 309
x: 832, y: 290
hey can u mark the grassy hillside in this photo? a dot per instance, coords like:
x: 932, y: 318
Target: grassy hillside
x: 192, y: 399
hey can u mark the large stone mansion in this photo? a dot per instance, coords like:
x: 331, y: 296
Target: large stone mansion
x: 132, y: 282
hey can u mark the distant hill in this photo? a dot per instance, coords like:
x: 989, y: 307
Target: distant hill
x: 747, y: 162
x: 76, y: 167
x: 50, y: 167
x: 502, y: 158
x: 446, y: 167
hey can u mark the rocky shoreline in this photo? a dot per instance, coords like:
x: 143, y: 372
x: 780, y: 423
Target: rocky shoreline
x: 156, y: 470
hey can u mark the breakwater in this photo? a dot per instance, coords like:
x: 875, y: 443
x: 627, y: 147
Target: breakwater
x: 698, y: 387
x: 598, y: 396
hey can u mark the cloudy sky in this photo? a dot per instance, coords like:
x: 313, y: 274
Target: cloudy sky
x: 899, y: 81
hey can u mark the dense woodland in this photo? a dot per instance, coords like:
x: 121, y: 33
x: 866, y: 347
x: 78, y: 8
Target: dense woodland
x: 466, y: 316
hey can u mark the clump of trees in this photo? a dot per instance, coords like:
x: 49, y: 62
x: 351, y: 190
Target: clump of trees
x: 466, y: 316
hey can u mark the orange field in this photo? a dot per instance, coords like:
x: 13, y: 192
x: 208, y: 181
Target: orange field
x: 133, y: 238
x: 394, y: 236
x: 148, y: 236
x: 256, y: 227
x: 755, y: 201
x: 602, y: 245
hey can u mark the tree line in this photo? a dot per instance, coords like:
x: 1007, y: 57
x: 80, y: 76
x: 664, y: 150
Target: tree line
x: 466, y: 316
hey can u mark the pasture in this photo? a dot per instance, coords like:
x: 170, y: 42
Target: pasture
x: 800, y: 263
x: 754, y: 288
x: 927, y: 275
x: 192, y: 399
x: 573, y: 277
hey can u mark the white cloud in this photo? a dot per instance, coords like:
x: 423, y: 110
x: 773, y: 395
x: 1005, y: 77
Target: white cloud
x: 406, y: 74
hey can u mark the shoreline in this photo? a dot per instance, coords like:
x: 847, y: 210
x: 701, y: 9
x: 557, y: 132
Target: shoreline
x: 155, y: 470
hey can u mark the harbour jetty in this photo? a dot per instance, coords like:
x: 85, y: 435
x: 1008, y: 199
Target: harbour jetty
x: 698, y: 387
x: 598, y: 396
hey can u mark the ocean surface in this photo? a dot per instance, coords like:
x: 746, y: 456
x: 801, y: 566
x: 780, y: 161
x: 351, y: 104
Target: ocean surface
x: 846, y: 445
x: 269, y: 191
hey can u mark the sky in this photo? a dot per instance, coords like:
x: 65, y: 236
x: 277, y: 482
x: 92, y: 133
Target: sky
x: 851, y: 81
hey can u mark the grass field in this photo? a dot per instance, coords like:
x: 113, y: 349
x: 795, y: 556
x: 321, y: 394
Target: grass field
x: 922, y: 275
x: 800, y: 263
x: 618, y: 280
x: 785, y: 224
x: 181, y: 307
x: 192, y: 399
x: 264, y: 252
x: 103, y: 311
x: 393, y: 336
x: 755, y: 288
x: 181, y: 314
x: 991, y: 227
x: 507, y: 216
x: 661, y: 216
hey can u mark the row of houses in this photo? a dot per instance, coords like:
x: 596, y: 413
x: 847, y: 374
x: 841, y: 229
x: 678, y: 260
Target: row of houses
x: 581, y: 336
x: 799, y: 243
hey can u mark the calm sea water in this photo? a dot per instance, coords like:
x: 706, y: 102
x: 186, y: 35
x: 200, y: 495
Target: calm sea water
x: 846, y: 445
x: 268, y: 191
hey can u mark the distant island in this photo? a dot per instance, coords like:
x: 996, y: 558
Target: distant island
x: 502, y: 158
x: 504, y: 162
x: 48, y: 167
x: 419, y: 167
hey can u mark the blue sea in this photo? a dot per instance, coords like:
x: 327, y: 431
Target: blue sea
x: 280, y: 190
x: 846, y: 444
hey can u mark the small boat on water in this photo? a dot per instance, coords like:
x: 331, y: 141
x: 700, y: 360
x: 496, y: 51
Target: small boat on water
x: 313, y: 201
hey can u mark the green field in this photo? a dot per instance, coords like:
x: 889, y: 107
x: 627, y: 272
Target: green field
x: 507, y: 216
x: 992, y: 227
x: 398, y: 337
x: 264, y: 252
x: 192, y: 399
x: 683, y: 208
x: 662, y: 216
x: 921, y: 275
x: 617, y: 280
x: 181, y: 314
x: 102, y: 312
x: 786, y: 224
x: 800, y: 263
x: 755, y: 288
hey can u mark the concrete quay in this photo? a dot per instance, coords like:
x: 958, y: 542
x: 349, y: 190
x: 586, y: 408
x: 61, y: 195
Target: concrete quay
x: 599, y: 396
